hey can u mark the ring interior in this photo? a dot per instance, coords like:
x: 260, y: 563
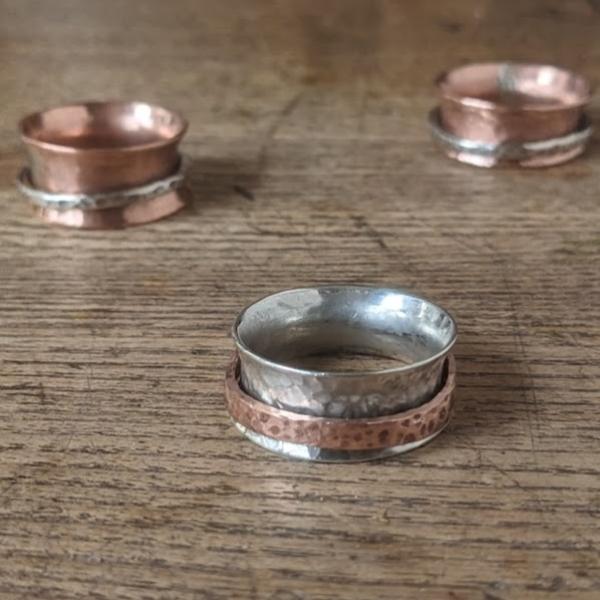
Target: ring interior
x: 288, y: 327
x: 521, y: 86
x: 103, y: 125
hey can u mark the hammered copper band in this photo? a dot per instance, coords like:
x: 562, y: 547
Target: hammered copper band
x: 340, y: 434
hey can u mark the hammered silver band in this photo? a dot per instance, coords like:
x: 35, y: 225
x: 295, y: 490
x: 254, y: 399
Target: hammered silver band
x: 118, y: 198
x: 276, y: 335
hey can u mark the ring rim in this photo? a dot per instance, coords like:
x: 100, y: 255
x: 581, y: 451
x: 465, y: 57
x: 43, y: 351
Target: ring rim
x: 445, y: 88
x: 243, y: 347
x: 94, y: 104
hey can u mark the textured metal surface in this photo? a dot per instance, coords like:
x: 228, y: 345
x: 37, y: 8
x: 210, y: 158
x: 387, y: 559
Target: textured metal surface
x: 313, y: 453
x: 340, y: 434
x: 502, y: 102
x: 526, y: 154
x: 274, y: 332
x: 100, y: 201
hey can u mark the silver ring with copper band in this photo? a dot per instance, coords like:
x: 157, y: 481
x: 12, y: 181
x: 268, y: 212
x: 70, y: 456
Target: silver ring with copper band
x: 287, y: 392
x: 103, y: 165
x: 492, y: 114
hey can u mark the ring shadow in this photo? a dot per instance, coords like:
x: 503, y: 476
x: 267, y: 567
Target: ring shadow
x: 217, y: 182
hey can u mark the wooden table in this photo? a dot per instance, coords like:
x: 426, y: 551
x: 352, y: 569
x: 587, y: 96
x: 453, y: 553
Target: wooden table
x: 121, y: 475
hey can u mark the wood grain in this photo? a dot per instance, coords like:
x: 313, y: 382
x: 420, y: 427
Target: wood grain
x: 120, y: 474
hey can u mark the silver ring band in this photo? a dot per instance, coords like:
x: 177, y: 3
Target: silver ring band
x: 65, y: 201
x: 276, y: 335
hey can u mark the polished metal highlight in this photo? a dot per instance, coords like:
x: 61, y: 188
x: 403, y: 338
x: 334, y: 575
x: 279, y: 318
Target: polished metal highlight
x: 272, y: 334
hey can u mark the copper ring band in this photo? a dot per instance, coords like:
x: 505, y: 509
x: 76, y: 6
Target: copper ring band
x: 340, y: 434
x: 500, y: 102
x: 101, y: 201
x: 98, y: 147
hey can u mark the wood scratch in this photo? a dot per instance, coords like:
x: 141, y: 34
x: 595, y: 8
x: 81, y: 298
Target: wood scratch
x: 286, y: 111
x: 361, y: 222
x: 530, y: 384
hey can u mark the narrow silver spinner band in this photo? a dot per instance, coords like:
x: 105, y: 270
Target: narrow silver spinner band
x: 510, y: 151
x: 60, y: 201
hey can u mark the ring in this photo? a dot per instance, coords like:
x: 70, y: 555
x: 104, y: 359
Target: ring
x: 281, y: 335
x: 103, y: 165
x: 493, y: 113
